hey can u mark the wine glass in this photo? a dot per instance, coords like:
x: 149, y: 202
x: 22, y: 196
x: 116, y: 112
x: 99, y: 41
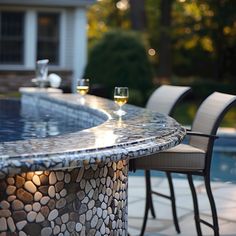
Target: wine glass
x: 121, y: 95
x: 83, y: 87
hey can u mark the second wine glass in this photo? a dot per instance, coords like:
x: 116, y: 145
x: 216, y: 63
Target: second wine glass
x: 121, y: 95
x: 83, y: 87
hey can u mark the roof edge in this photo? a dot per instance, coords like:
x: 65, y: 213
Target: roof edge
x: 58, y: 3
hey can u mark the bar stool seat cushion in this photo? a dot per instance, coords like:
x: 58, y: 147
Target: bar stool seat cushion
x: 183, y: 157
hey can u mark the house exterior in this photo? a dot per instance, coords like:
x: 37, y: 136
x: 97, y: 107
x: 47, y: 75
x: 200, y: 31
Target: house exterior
x: 37, y: 29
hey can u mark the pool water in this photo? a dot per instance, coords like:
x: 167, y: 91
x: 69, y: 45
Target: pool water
x: 22, y: 123
x: 224, y: 167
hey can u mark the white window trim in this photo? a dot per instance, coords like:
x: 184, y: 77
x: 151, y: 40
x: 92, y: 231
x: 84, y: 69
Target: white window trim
x: 20, y: 65
x: 80, y: 49
x: 62, y: 41
x: 30, y: 38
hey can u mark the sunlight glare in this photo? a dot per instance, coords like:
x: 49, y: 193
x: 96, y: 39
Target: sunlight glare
x: 152, y: 52
x: 122, y: 5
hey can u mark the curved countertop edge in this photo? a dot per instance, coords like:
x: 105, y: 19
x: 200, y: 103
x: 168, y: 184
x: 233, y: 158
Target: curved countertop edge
x: 53, y: 156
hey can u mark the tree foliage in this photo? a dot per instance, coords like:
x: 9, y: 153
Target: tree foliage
x: 202, y: 33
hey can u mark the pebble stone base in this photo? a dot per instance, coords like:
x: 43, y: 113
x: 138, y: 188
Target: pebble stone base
x: 88, y: 201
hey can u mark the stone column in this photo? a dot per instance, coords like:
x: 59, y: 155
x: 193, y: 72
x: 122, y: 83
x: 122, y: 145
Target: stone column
x: 80, y: 45
x: 88, y: 201
x: 30, y: 39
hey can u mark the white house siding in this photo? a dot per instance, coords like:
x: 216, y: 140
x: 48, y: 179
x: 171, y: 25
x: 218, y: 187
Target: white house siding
x: 30, y: 39
x: 62, y: 32
x: 80, y: 45
x: 69, y: 39
x: 53, y: 3
x: 73, y: 37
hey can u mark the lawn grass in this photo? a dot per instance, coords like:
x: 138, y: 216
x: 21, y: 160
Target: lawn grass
x: 11, y: 95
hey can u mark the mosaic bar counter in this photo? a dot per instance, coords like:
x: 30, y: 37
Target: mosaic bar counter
x: 76, y: 184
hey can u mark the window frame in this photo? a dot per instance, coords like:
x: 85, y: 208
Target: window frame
x: 30, y: 45
x: 57, y: 41
x: 14, y: 38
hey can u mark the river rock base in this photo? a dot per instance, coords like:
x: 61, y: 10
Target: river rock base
x: 88, y: 201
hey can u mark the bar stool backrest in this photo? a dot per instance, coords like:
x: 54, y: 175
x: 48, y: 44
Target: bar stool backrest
x: 164, y: 98
x: 208, y: 118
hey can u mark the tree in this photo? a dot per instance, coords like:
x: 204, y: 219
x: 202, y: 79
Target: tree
x: 104, y: 16
x: 138, y: 14
x: 222, y: 33
x: 199, y: 42
x: 165, y: 70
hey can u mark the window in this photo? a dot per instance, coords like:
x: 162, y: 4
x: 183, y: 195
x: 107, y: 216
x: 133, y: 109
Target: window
x: 11, y: 37
x: 48, y: 37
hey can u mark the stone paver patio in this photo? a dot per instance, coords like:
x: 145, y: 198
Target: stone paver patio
x: 224, y: 194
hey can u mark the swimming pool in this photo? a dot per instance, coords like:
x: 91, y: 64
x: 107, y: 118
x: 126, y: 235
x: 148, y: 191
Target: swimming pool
x: 224, y: 167
x: 18, y: 122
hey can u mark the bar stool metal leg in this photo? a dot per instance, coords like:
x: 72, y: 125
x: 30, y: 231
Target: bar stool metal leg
x: 148, y: 201
x: 172, y: 199
x: 215, y: 225
x: 195, y: 205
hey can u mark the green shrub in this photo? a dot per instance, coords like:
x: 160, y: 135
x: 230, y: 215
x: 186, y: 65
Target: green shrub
x: 120, y: 59
x: 136, y: 97
x: 201, y: 88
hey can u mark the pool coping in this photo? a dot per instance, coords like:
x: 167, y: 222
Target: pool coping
x: 139, y: 133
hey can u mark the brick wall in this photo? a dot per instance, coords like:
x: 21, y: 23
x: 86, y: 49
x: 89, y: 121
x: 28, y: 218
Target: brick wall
x: 11, y: 81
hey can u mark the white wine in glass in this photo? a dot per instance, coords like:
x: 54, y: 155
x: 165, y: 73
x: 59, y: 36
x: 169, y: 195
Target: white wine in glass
x: 121, y: 95
x: 83, y: 87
